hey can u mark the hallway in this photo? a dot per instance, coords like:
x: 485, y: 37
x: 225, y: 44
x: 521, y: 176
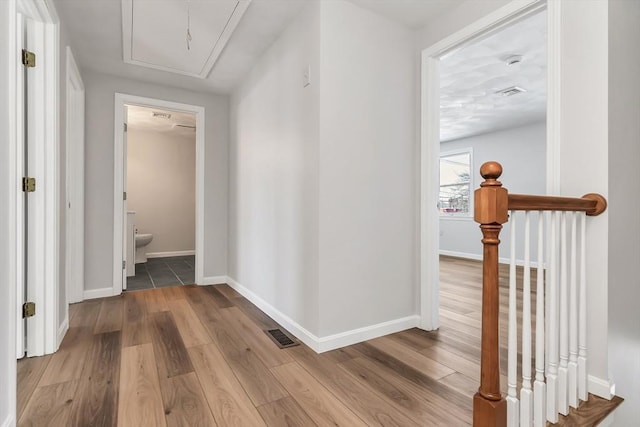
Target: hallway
x: 194, y: 355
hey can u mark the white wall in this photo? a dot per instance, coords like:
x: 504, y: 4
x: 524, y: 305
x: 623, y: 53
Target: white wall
x: 624, y: 205
x: 7, y: 288
x: 368, y: 201
x: 522, y: 153
x: 323, y: 207
x: 161, y: 187
x: 100, y: 90
x: 584, y: 152
x: 273, y: 209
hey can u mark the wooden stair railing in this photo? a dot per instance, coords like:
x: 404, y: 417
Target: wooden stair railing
x: 492, y: 206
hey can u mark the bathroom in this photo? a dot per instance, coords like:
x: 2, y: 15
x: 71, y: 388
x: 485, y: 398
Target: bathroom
x: 160, y: 183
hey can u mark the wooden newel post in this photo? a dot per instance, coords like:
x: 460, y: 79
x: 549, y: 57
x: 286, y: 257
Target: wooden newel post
x: 491, y: 211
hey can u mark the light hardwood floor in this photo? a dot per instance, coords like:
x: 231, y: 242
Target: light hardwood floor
x: 198, y: 356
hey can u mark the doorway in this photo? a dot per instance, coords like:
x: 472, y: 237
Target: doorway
x: 160, y: 203
x: 169, y: 258
x: 457, y: 207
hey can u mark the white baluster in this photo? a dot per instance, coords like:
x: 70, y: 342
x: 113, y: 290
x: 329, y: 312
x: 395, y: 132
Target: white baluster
x: 526, y: 392
x: 582, y: 338
x: 552, y: 322
x: 539, y: 387
x: 563, y: 406
x: 573, y: 319
x: 512, y: 362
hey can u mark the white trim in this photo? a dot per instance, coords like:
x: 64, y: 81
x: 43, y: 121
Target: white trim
x: 476, y: 257
x: 217, y: 48
x: 355, y: 336
x: 121, y: 100
x: 62, y: 330
x: 9, y: 421
x: 601, y: 387
x: 97, y: 293
x: 330, y: 342
x: 214, y: 280
x: 169, y: 254
x: 430, y: 144
x: 554, y: 96
x: 74, y: 181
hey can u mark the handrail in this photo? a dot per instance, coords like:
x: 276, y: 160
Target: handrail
x: 491, y: 210
x: 593, y: 204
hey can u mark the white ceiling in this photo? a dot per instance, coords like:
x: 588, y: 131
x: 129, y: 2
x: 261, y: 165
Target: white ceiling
x: 184, y: 37
x: 95, y: 26
x: 142, y: 118
x: 471, y: 76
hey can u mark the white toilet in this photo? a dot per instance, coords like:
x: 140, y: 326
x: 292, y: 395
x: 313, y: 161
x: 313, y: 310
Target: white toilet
x: 142, y: 240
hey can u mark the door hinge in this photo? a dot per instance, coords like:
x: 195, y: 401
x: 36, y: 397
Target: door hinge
x: 125, y: 127
x: 124, y: 195
x: 28, y: 309
x: 28, y: 184
x: 124, y: 264
x: 28, y: 58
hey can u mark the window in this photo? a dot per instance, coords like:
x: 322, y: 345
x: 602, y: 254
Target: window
x: 455, y: 183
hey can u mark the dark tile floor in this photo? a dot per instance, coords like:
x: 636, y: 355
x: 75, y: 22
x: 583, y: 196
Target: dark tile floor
x: 161, y: 272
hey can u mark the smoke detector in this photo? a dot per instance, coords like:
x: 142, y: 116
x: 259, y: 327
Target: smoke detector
x: 513, y: 60
x: 510, y: 91
x: 160, y: 115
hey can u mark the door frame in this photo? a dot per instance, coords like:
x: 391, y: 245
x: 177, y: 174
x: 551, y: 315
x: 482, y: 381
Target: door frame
x: 74, y: 181
x: 122, y: 99
x: 430, y: 132
x: 43, y: 334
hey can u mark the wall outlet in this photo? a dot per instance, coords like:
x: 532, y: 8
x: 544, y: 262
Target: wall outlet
x: 306, y: 76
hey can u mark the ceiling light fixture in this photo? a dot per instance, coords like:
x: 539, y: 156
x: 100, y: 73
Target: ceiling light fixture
x: 189, y: 38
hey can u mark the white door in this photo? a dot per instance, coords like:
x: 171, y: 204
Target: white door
x: 21, y: 208
x: 28, y: 204
x: 74, y: 271
x: 124, y: 196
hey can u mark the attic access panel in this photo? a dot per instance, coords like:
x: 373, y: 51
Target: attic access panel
x: 154, y: 33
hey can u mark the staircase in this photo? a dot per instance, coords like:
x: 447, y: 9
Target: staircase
x: 552, y: 386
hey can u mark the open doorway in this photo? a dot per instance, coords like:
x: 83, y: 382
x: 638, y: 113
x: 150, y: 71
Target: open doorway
x: 158, y: 198
x: 493, y: 98
x: 160, y: 183
x: 484, y: 98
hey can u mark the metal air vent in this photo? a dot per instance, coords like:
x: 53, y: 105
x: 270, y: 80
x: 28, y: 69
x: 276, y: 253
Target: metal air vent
x: 510, y: 91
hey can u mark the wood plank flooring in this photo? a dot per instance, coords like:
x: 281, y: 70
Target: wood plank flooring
x: 198, y: 356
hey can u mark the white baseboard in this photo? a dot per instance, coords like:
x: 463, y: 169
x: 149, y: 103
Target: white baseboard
x: 330, y: 342
x: 62, y: 331
x: 355, y: 336
x: 9, y: 421
x: 214, y: 280
x: 169, y: 254
x: 601, y: 388
x: 97, y: 293
x: 519, y: 262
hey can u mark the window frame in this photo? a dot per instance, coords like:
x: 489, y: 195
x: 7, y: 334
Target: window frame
x: 458, y: 215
